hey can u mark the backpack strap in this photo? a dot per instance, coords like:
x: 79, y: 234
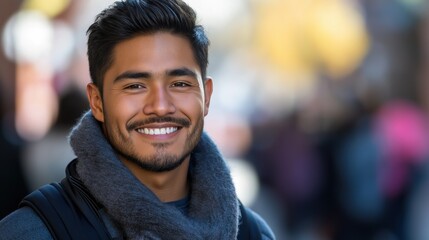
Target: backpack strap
x: 67, y: 209
x: 84, y: 201
x: 49, y: 203
x: 248, y: 228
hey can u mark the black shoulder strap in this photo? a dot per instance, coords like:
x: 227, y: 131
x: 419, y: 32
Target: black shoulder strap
x: 67, y: 209
x: 248, y: 228
x: 49, y: 203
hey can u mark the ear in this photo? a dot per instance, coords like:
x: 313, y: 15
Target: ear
x: 208, y: 89
x: 95, y: 101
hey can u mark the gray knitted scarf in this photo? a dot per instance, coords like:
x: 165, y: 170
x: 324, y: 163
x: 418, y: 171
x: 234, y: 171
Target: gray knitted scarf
x: 213, y: 208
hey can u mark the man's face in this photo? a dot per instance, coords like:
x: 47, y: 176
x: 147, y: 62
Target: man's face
x: 154, y: 101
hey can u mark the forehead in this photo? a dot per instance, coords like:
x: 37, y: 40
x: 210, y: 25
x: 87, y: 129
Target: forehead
x: 153, y: 53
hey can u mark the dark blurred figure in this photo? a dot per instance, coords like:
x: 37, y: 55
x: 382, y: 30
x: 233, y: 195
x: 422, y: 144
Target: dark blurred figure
x: 73, y: 104
x: 12, y: 183
x: 288, y: 163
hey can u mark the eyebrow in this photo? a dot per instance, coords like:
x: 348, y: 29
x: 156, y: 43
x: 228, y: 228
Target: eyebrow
x: 132, y: 75
x: 146, y: 75
x: 182, y: 72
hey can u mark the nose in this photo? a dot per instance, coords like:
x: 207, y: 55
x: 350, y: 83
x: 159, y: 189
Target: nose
x: 158, y: 102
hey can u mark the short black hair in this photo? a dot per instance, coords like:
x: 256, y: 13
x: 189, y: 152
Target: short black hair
x: 129, y: 18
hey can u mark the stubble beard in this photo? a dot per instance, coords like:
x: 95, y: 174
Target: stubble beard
x: 161, y: 160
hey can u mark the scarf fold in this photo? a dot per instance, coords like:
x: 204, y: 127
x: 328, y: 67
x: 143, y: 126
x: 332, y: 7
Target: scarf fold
x: 213, y: 208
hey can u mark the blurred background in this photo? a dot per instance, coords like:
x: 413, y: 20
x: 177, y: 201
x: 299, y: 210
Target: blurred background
x: 320, y: 107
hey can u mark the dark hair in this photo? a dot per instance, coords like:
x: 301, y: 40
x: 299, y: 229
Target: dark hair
x: 129, y: 18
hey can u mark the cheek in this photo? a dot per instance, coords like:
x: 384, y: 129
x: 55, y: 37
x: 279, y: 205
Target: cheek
x: 193, y: 106
x: 122, y: 108
x: 128, y: 103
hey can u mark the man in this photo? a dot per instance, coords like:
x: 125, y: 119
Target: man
x: 141, y: 151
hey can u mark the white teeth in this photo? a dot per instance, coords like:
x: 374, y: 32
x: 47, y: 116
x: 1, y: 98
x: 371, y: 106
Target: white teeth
x: 157, y: 131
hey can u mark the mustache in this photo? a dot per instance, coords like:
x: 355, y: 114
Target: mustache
x: 179, y: 121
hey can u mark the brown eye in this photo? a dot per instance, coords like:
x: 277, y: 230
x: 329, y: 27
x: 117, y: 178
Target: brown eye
x: 134, y: 86
x: 180, y: 84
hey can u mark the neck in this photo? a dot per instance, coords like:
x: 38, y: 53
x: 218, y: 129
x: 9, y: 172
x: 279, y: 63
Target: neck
x: 167, y: 186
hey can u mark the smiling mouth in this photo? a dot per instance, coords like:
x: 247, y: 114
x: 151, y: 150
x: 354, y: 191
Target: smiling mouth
x: 157, y: 131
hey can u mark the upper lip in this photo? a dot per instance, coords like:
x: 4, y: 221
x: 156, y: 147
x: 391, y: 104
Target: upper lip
x: 159, y: 125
